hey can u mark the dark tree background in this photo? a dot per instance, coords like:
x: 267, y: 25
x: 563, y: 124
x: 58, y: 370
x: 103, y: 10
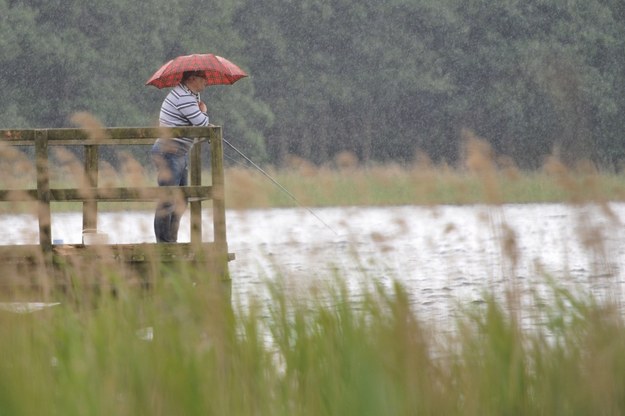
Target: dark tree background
x: 382, y: 79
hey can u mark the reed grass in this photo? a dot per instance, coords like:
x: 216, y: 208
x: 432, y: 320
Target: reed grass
x: 181, y: 350
x: 481, y: 178
x: 422, y: 183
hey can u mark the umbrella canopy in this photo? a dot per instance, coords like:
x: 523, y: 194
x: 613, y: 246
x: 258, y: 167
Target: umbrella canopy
x: 217, y: 70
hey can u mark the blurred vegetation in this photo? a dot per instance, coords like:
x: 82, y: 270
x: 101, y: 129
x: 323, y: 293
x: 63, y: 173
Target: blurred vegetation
x: 482, y: 178
x: 383, y: 81
x: 181, y: 350
x: 386, y: 185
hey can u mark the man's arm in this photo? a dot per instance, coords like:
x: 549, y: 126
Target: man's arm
x: 193, y: 112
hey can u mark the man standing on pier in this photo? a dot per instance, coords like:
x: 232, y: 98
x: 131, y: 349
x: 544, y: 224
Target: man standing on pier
x: 181, y: 107
x: 188, y: 75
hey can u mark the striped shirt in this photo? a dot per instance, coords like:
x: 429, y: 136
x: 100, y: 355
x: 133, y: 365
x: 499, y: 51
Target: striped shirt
x: 180, y: 108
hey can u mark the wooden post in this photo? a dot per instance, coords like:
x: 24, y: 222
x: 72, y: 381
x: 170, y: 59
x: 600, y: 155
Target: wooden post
x: 217, y: 174
x: 219, y: 205
x: 196, y: 204
x: 43, y: 210
x: 43, y: 190
x: 90, y: 207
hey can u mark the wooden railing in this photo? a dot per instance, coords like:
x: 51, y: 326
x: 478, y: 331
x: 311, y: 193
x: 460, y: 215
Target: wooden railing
x: 92, y: 194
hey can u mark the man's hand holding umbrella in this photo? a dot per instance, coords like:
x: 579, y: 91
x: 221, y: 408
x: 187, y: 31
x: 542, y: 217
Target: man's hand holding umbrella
x: 203, y: 107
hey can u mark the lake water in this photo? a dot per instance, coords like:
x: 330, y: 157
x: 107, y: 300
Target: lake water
x: 446, y: 256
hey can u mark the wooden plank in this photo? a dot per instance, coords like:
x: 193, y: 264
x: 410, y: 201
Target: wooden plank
x: 111, y: 135
x: 23, y: 252
x: 110, y: 194
x: 43, y: 189
x: 143, y: 252
x: 43, y: 208
x: 17, y: 135
x: 132, y: 194
x: 219, y: 205
x: 217, y: 174
x: 90, y: 205
x: 196, y: 205
x: 15, y: 195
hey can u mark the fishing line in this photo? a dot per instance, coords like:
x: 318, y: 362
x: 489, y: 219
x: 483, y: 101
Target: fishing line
x: 235, y: 161
x: 278, y: 185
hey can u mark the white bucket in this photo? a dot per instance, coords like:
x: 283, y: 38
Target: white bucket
x: 93, y: 237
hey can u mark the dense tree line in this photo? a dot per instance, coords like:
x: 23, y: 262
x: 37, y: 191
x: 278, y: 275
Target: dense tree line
x: 382, y: 79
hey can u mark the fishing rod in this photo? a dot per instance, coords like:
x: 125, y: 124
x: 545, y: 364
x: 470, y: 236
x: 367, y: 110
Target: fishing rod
x: 278, y: 185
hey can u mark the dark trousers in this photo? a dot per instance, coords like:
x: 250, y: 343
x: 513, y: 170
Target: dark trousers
x: 172, y: 169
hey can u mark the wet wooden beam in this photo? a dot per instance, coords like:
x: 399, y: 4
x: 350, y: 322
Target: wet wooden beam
x: 43, y: 189
x: 144, y: 252
x: 139, y: 194
x: 218, y: 181
x: 111, y: 135
x: 195, y: 173
x: 90, y: 206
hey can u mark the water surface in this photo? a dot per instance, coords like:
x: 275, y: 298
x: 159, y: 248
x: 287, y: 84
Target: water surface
x: 446, y: 256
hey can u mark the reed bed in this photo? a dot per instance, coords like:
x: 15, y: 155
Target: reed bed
x: 481, y: 178
x: 181, y: 350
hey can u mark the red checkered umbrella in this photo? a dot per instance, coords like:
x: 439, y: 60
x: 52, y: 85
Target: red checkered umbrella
x: 218, y: 70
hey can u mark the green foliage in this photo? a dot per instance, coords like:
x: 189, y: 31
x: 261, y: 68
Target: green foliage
x: 382, y: 80
x: 181, y: 350
x: 388, y: 186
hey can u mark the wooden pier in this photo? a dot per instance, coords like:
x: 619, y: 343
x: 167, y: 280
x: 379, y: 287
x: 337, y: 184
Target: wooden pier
x: 47, y: 266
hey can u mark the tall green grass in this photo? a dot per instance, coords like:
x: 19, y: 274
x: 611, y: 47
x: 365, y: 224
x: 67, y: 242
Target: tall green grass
x: 480, y: 181
x: 321, y: 354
